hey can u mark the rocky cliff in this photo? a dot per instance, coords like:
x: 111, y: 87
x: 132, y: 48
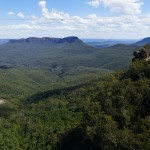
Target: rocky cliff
x: 143, y: 53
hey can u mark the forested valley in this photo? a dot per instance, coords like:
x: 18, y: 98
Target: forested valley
x: 86, y: 108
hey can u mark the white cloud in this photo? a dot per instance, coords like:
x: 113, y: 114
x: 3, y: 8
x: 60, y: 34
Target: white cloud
x: 129, y: 7
x: 94, y: 3
x: 95, y: 27
x: 10, y: 13
x: 21, y: 15
x: 53, y: 14
x: 42, y: 4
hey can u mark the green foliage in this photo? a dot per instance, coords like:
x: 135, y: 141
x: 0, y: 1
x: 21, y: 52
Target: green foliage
x: 75, y: 111
x: 117, y: 116
x: 147, y: 46
x: 9, y: 138
x: 139, y: 69
x: 19, y: 83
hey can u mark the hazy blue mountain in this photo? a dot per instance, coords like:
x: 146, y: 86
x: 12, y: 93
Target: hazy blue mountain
x: 3, y: 41
x: 143, y: 41
x: 100, y: 43
x: 46, y: 40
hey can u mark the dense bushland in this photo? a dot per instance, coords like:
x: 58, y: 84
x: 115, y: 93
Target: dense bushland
x: 109, y: 113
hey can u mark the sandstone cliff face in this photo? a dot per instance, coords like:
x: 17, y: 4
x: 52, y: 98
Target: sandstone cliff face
x: 47, y: 40
x: 143, y: 53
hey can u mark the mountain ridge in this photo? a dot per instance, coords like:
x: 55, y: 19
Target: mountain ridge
x: 49, y: 40
x: 143, y: 42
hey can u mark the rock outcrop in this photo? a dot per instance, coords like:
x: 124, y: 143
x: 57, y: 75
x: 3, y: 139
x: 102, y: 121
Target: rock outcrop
x: 143, y: 53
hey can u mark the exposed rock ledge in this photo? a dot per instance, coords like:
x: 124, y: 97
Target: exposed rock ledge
x: 143, y: 53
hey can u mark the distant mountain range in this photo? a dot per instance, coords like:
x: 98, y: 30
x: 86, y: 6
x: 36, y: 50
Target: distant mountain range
x: 61, y: 55
x: 100, y: 43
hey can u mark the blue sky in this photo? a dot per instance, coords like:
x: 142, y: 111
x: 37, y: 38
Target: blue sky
x: 105, y: 19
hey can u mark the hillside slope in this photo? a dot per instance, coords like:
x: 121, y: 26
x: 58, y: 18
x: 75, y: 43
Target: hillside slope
x: 143, y: 42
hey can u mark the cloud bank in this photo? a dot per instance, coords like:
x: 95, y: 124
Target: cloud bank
x: 60, y: 24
